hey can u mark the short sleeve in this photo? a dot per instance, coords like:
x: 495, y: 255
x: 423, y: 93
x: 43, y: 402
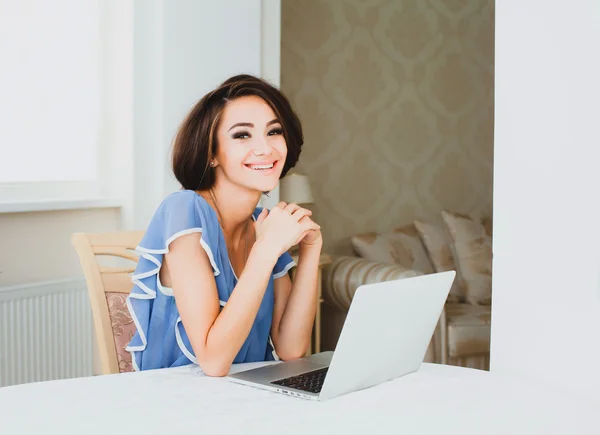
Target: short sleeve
x: 158, y: 340
x: 179, y: 214
x: 284, y: 263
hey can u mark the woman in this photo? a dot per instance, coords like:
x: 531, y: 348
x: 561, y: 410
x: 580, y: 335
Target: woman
x: 211, y: 286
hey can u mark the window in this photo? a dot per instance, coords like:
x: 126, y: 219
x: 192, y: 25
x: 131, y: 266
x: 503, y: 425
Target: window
x: 54, y: 95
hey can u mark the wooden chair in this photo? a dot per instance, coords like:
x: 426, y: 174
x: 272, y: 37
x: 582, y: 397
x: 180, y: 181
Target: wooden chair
x: 108, y: 288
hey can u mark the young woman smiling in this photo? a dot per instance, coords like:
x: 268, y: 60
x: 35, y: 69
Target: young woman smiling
x: 211, y: 286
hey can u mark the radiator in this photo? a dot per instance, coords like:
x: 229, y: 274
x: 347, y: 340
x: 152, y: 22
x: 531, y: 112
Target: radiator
x: 46, y: 332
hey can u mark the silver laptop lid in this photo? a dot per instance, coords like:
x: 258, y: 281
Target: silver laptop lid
x: 387, y: 331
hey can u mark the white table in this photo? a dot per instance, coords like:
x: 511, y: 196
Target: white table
x: 435, y: 400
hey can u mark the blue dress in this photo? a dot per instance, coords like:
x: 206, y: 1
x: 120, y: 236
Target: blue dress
x: 160, y: 340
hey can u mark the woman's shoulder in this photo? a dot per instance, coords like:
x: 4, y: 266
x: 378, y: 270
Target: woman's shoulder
x: 180, y: 212
x: 182, y: 198
x: 183, y: 203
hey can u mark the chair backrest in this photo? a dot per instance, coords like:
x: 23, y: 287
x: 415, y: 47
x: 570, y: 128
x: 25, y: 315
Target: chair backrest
x: 108, y: 288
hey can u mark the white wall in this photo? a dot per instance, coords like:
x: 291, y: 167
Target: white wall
x: 546, y: 289
x: 37, y: 247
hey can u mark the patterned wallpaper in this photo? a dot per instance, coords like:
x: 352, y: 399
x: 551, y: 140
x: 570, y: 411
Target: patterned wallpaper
x: 396, y: 99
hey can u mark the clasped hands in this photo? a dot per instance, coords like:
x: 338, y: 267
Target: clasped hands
x: 287, y: 225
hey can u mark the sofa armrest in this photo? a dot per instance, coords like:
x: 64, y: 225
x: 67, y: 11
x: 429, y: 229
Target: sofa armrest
x: 345, y: 274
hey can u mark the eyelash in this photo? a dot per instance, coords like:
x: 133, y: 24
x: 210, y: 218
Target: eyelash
x: 246, y: 135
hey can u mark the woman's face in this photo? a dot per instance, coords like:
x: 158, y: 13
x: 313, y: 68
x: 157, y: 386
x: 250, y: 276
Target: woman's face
x: 252, y: 149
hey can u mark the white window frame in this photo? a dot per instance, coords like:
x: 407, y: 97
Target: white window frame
x: 115, y: 144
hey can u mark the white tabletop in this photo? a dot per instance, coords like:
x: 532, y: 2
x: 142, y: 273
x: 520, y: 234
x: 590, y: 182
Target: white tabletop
x: 435, y: 400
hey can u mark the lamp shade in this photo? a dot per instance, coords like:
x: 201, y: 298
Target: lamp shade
x: 295, y: 188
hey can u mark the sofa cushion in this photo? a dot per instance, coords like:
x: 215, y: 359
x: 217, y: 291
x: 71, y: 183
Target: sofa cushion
x: 409, y: 249
x: 373, y: 247
x: 468, y: 329
x: 401, y: 246
x: 472, y: 250
x: 439, y: 249
x: 487, y: 226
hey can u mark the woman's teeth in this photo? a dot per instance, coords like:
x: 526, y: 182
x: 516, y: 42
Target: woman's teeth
x: 261, y: 167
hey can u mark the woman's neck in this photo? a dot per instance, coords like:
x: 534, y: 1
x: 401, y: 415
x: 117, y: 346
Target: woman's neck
x: 234, y: 207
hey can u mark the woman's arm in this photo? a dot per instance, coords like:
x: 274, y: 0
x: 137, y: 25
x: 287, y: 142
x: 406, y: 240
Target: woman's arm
x: 216, y: 337
x: 295, y: 305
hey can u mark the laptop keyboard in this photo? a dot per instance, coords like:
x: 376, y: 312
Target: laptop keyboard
x: 309, y: 381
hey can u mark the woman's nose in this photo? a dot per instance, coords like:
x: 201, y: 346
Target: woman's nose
x: 262, y: 147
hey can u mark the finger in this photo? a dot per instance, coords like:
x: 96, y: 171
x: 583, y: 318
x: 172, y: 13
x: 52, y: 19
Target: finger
x: 315, y: 226
x: 306, y: 211
x: 291, y: 208
x: 299, y: 239
x: 306, y: 220
x: 307, y: 228
x: 281, y: 204
x: 301, y: 213
x: 261, y: 217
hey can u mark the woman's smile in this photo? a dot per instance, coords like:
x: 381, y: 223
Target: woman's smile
x: 263, y: 168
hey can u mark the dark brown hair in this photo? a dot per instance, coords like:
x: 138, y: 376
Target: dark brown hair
x: 196, y: 141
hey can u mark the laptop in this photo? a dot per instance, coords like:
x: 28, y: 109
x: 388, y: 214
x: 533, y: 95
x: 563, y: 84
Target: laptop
x: 385, y: 335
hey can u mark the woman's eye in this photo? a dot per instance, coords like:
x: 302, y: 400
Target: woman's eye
x: 276, y: 131
x: 241, y: 135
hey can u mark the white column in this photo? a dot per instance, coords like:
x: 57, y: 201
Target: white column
x: 183, y: 49
x: 546, y: 271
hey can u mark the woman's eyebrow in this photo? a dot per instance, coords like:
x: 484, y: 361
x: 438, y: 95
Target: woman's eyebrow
x: 249, y: 124
x: 241, y: 124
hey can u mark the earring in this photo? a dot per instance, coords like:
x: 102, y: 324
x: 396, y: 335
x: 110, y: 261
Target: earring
x: 212, y: 163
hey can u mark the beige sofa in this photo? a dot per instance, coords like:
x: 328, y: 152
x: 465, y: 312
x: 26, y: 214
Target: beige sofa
x: 455, y: 242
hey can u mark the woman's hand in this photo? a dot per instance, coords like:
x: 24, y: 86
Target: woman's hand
x: 285, y: 226
x: 310, y: 237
